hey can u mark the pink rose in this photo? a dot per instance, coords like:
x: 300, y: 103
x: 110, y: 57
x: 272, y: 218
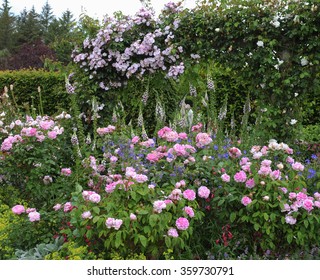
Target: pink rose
x: 173, y: 232
x: 189, y: 211
x: 225, y: 177
x: 203, y: 139
x: 234, y: 152
x: 246, y: 200
x: 67, y: 207
x: 297, y: 166
x: 52, y: 134
x: 66, y: 171
x: 95, y: 198
x: 182, y: 223
x: 203, y: 192
x: 189, y: 194
x: 57, y: 207
x: 250, y: 183
x: 240, y: 177
x: 133, y: 217
x: 290, y: 220
x: 159, y: 205
x: 135, y: 139
x: 18, y: 209
x: 86, y: 215
x: 307, y: 204
x: 34, y: 216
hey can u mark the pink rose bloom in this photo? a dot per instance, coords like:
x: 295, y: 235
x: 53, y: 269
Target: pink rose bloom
x: 67, y: 207
x: 133, y: 217
x: 57, y: 207
x: 105, y: 130
x: 240, y: 177
x: 183, y: 136
x: 234, y: 152
x: 189, y: 211
x: 149, y: 143
x: 197, y: 127
x: 225, y: 177
x: 29, y: 210
x: 183, y: 183
x: 203, y: 192
x: 307, y: 204
x: 111, y: 187
x: 6, y: 145
x: 130, y: 172
x: 52, y: 134
x: 182, y: 223
x: 264, y: 150
x: 301, y: 196
x: 154, y: 156
x: 275, y: 175
x: 203, y: 139
x: 163, y: 131
x: 284, y: 190
x: 18, y: 209
x: 86, y: 215
x: 110, y: 222
x: 46, y: 124
x: 290, y: 220
x: 135, y: 139
x: 292, y: 195
x: 317, y: 195
x: 266, y: 163
x: 246, y: 167
x: 189, y: 194
x: 317, y: 204
x: 40, y: 137
x: 113, y: 159
x: 264, y: 170
x: 95, y: 198
x: 140, y: 178
x: 246, y: 200
x: 32, y: 131
x: 159, y: 205
x: 173, y: 232
x: 171, y: 136
x: 257, y: 155
x: 117, y: 224
x: 290, y: 160
x: 289, y: 151
x: 34, y: 216
x: 250, y: 183
x: 286, y: 207
x: 66, y: 171
x: 244, y: 160
x: 175, y: 194
x: 297, y: 166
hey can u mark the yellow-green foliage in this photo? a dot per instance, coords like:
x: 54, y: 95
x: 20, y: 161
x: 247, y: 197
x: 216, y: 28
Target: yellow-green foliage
x: 7, y: 219
x: 26, y: 84
x: 71, y: 251
x: 132, y: 256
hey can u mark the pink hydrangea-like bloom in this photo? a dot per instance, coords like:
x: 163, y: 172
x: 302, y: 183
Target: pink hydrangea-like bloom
x: 95, y: 198
x: 34, y: 216
x: 246, y: 200
x: 182, y: 223
x: 234, y: 152
x: 240, y: 177
x: 308, y: 204
x: 18, y: 209
x: 290, y: 220
x: 189, y: 194
x: 203, y: 192
x: 159, y: 205
x: 67, y: 207
x: 57, y: 207
x: 203, y: 139
x: 250, y: 183
x: 66, y: 171
x: 225, y: 177
x: 173, y: 232
x: 189, y: 211
x: 275, y: 175
x: 298, y: 166
x: 86, y: 215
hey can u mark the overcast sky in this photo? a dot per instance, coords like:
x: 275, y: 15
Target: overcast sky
x: 93, y: 8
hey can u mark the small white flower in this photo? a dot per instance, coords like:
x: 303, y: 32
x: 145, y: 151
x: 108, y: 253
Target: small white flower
x: 304, y: 61
x: 296, y: 94
x: 275, y: 23
x: 293, y: 121
x: 266, y: 198
x: 217, y: 30
x: 260, y: 44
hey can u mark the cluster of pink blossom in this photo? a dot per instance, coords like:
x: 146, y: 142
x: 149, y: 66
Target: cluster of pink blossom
x: 142, y: 55
x: 106, y: 130
x: 91, y: 196
x: 39, y: 128
x: 67, y: 207
x: 66, y: 171
x: 203, y: 139
x: 114, y: 223
x: 300, y: 200
x: 33, y: 215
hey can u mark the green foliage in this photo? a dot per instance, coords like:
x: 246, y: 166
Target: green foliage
x: 26, y: 85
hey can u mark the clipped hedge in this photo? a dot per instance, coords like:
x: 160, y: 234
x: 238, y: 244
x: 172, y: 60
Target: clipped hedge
x: 26, y: 84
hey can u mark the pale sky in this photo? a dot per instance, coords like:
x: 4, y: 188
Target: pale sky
x: 93, y: 8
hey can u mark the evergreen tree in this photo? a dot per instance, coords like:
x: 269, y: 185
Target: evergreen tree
x: 46, y: 18
x: 7, y: 21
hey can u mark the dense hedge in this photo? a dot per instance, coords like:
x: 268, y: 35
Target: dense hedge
x: 26, y: 85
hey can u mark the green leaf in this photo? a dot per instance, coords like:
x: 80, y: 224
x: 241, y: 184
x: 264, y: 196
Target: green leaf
x: 233, y: 216
x: 256, y: 227
x: 289, y: 238
x: 143, y: 212
x: 168, y: 241
x: 96, y: 219
x: 118, y: 239
x: 266, y: 216
x: 78, y: 188
x: 306, y: 223
x: 96, y: 210
x: 153, y: 219
x: 143, y: 240
x: 220, y: 202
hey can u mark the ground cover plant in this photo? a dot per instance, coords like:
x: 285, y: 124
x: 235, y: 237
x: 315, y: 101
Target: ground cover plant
x: 199, y: 177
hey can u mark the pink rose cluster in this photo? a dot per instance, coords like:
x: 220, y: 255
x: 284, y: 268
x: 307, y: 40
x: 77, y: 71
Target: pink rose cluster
x: 170, y: 135
x: 203, y: 139
x: 33, y: 215
x: 114, y: 223
x: 91, y: 196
